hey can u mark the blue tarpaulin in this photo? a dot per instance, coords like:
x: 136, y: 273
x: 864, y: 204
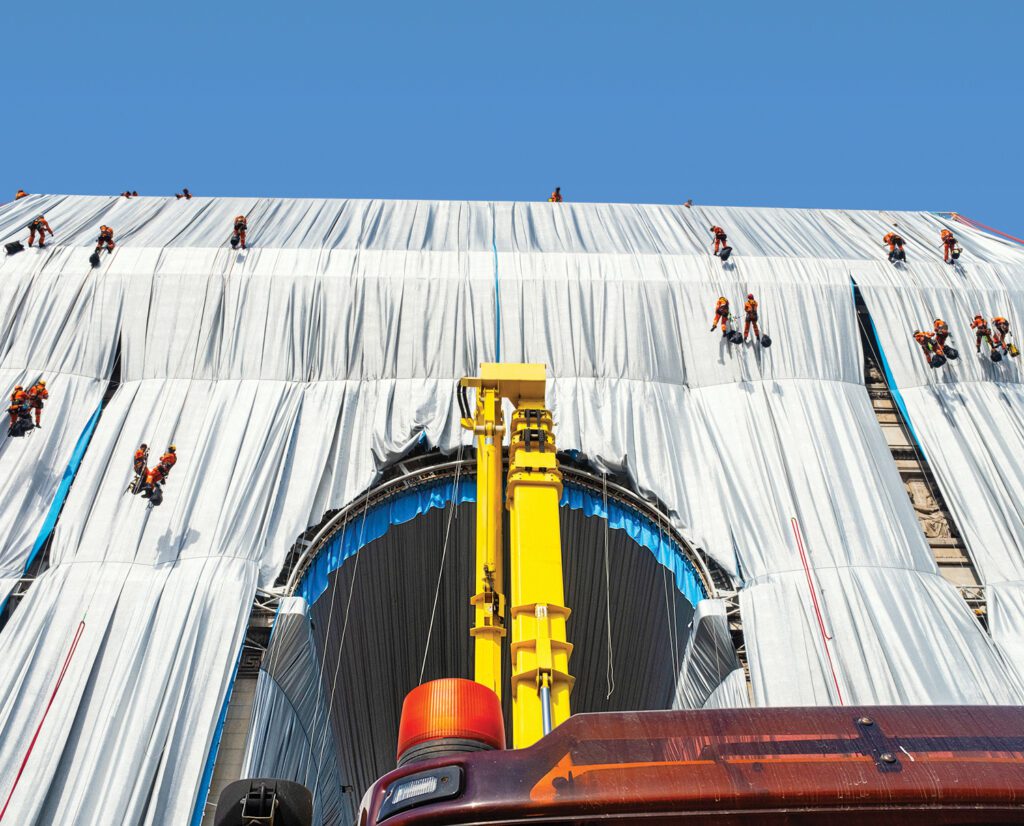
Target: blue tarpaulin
x: 376, y: 521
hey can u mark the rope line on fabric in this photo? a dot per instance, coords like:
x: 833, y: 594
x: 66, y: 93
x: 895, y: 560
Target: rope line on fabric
x: 46, y: 711
x: 444, y: 553
x: 323, y: 663
x: 825, y: 636
x: 341, y: 645
x: 963, y: 219
x: 610, y: 669
x: 672, y: 642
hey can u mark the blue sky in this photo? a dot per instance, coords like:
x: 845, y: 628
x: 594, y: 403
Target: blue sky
x: 899, y: 105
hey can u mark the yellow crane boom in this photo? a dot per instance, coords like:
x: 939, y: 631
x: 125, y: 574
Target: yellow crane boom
x: 541, y: 683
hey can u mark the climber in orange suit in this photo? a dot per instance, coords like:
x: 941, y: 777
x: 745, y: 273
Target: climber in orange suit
x: 105, y: 239
x: 241, y: 225
x: 895, y: 243
x: 37, y: 394
x: 981, y: 332
x: 721, y: 240
x: 721, y: 315
x: 928, y: 344
x: 1002, y: 331
x: 169, y: 459
x: 750, y: 310
x: 941, y: 333
x: 140, y: 459
x: 948, y: 244
x: 39, y: 224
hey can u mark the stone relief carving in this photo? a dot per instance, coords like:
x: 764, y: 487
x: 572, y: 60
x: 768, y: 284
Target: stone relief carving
x: 928, y: 513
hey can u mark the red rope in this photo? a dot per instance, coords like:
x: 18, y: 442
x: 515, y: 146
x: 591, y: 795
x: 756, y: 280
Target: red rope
x: 963, y: 219
x: 825, y: 637
x: 53, y: 696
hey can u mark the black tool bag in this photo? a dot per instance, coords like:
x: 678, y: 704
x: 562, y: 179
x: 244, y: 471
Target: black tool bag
x: 14, y: 247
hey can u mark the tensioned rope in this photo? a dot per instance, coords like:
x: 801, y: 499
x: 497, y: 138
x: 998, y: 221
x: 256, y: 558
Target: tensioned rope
x: 452, y: 510
x: 963, y: 219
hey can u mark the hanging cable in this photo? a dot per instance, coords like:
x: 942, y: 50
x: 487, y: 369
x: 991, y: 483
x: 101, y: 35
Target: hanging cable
x: 610, y: 670
x: 337, y: 666
x: 453, y: 507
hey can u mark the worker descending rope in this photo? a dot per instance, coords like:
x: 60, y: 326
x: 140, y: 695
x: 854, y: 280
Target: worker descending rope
x: 1001, y: 335
x: 941, y: 335
x: 238, y: 239
x: 721, y: 315
x: 750, y: 318
x: 982, y: 333
x: 149, y: 482
x: 37, y: 394
x: 720, y: 243
x: 950, y: 249
x: 139, y: 467
x: 556, y: 196
x: 896, y: 251
x: 932, y: 351
x: 105, y: 240
x: 40, y: 225
x: 19, y: 412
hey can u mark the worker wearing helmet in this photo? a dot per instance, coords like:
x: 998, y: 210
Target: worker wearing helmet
x: 105, y: 239
x: 40, y: 225
x: 556, y: 196
x: 37, y: 394
x: 750, y: 318
x: 241, y: 226
x: 721, y: 315
x: 21, y: 193
x: 721, y: 239
x: 140, y: 459
x: 928, y: 344
x: 19, y: 399
x: 895, y: 242
x: 19, y: 410
x: 168, y: 460
x: 981, y: 332
x: 949, y: 254
x: 1002, y: 331
x: 154, y: 477
x: 941, y: 333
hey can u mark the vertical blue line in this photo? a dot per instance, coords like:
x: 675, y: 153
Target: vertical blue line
x: 65, y: 484
x: 894, y: 389
x: 204, y: 784
x: 497, y: 293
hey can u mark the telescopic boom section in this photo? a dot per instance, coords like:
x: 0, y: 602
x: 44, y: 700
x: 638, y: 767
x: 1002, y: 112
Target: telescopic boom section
x: 489, y: 601
x: 540, y: 651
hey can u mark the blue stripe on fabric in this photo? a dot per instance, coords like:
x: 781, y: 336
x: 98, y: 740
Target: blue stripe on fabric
x: 894, y: 389
x: 211, y: 759
x: 374, y: 524
x: 497, y: 300
x: 642, y: 531
x: 409, y: 505
x: 65, y: 484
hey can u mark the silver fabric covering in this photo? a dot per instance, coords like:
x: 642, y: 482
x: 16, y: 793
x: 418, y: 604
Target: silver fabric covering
x: 966, y: 415
x: 288, y: 373
x: 289, y: 736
